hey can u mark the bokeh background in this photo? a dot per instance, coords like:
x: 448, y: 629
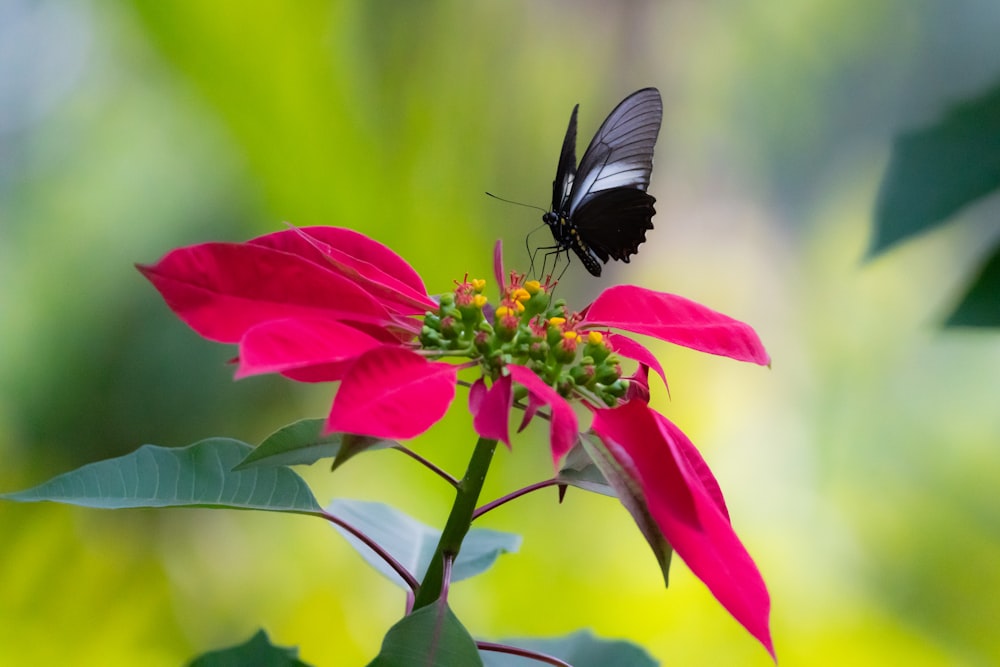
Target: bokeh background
x: 861, y: 470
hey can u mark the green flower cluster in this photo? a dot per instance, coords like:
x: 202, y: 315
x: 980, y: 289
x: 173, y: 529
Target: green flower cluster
x: 528, y: 329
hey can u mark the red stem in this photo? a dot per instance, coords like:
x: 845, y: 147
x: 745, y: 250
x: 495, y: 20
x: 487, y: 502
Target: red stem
x: 512, y: 495
x: 410, y: 580
x: 523, y: 652
x: 427, y: 464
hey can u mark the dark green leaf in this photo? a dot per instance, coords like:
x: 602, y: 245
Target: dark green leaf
x: 981, y: 305
x: 580, y: 649
x: 257, y: 651
x: 628, y: 492
x: 432, y: 636
x: 936, y: 171
x: 352, y: 445
x: 303, y: 443
x: 579, y: 470
x: 412, y: 543
x: 199, y: 475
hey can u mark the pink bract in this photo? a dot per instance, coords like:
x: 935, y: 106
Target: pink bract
x: 390, y: 392
x: 677, y: 320
x: 686, y: 503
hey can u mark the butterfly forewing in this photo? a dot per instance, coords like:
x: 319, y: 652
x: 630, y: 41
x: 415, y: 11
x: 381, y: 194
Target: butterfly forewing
x: 621, y: 153
x: 566, y: 170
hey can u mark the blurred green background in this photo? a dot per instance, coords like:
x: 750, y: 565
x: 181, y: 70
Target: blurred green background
x: 861, y: 470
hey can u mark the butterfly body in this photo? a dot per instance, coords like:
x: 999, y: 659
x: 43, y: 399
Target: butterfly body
x: 600, y: 210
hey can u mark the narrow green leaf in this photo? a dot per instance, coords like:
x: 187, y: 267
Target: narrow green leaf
x: 412, y: 543
x: 199, y: 475
x: 432, y: 636
x: 628, y: 492
x: 303, y: 443
x: 580, y: 649
x: 257, y: 651
x: 936, y: 171
x: 980, y: 307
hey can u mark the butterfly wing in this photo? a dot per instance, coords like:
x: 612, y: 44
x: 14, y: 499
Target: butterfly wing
x: 621, y: 153
x: 613, y: 223
x: 566, y: 170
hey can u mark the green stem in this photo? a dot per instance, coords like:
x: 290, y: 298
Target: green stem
x: 466, y: 497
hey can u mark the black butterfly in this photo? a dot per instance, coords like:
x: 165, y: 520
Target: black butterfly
x: 602, y: 210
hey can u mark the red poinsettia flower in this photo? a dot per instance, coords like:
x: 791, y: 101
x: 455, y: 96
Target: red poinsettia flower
x: 329, y: 304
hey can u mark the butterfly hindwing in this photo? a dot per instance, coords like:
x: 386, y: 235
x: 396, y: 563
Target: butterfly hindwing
x: 614, y: 222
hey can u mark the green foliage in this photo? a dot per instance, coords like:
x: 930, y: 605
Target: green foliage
x: 980, y: 307
x: 633, y: 500
x: 412, y: 543
x: 200, y: 475
x: 935, y: 172
x: 257, y: 651
x: 432, y: 636
x: 580, y: 649
x: 303, y: 443
x: 579, y: 470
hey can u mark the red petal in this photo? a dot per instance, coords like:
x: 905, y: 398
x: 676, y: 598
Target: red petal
x: 676, y: 320
x: 498, y: 265
x: 630, y: 349
x: 529, y: 411
x: 477, y: 392
x: 686, y: 507
x: 284, y: 345
x: 352, y: 254
x: 222, y: 289
x: 491, y: 409
x: 323, y: 373
x: 391, y: 392
x: 638, y: 385
x: 696, y: 464
x: 563, y: 430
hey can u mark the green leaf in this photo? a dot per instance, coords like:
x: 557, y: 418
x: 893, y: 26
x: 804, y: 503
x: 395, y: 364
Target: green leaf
x: 579, y: 470
x: 432, y: 636
x: 412, y: 543
x: 580, y: 649
x: 981, y: 305
x: 257, y: 651
x: 628, y: 492
x: 352, y: 445
x: 303, y: 443
x: 199, y: 475
x: 936, y: 171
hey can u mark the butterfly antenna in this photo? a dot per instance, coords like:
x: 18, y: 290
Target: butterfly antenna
x: 516, y: 203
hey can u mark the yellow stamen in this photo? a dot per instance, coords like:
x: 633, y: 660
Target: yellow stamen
x: 533, y: 287
x: 521, y: 294
x: 478, y: 284
x: 479, y: 301
x: 557, y: 321
x: 595, y: 337
x: 571, y: 335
